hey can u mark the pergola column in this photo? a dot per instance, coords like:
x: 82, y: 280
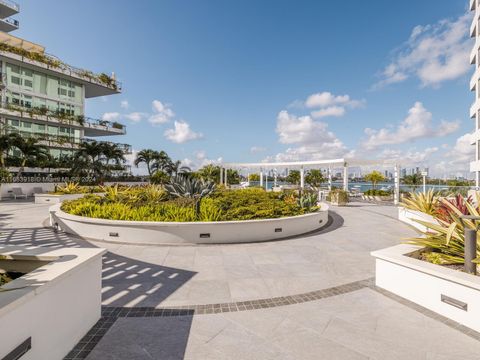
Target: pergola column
x: 329, y: 178
x: 226, y: 177
x: 396, y: 190
x: 221, y: 175
x: 302, y: 178
x: 261, y: 177
x: 266, y: 180
x: 275, y: 177
x: 345, y: 177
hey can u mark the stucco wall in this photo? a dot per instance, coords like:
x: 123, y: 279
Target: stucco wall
x: 144, y: 232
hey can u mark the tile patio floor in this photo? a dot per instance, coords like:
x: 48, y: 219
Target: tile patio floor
x: 325, y: 320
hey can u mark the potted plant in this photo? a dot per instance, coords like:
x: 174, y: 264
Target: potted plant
x: 338, y: 197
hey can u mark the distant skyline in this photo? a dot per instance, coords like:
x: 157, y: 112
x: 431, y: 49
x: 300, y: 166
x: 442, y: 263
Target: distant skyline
x: 277, y: 80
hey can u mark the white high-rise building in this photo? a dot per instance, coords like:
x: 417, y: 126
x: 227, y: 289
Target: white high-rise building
x: 475, y: 86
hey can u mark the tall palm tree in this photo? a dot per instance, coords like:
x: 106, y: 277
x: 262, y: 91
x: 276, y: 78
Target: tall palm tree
x: 7, y: 142
x: 30, y: 151
x: 175, y: 168
x: 162, y: 162
x: 88, y: 159
x: 113, y: 152
x: 147, y: 156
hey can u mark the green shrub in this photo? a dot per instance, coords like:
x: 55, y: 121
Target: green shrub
x: 338, y: 196
x: 151, y: 203
x: 375, y: 192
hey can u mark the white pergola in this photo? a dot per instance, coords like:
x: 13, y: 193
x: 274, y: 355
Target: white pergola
x: 330, y: 164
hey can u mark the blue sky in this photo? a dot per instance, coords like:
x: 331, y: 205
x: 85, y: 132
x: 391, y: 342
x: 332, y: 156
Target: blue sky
x: 253, y: 80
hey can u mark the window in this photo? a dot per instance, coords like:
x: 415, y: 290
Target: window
x: 40, y: 127
x: 27, y: 72
x: 62, y: 92
x: 16, y: 80
x: 71, y: 93
x: 14, y: 122
x: 28, y: 83
x: 27, y: 125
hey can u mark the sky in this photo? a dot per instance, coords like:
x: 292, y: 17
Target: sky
x: 247, y: 81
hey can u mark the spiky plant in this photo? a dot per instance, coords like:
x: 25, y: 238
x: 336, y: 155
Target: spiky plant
x: 188, y: 187
x: 423, y: 202
x: 444, y: 241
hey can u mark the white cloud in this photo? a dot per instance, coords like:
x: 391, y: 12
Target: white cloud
x: 433, y: 53
x: 313, y: 139
x: 336, y: 111
x: 124, y: 104
x: 181, y: 133
x: 418, y: 124
x: 200, y: 160
x: 162, y: 113
x: 463, y: 152
x: 136, y: 116
x: 110, y: 116
x: 409, y: 157
x: 257, y: 149
x: 327, y: 104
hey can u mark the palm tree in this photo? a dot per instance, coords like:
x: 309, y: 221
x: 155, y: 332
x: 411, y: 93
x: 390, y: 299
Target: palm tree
x: 147, y: 156
x: 314, y: 178
x: 88, y: 159
x: 162, y: 162
x: 7, y: 142
x: 30, y: 151
x: 112, y: 152
x: 374, y: 177
x: 176, y: 168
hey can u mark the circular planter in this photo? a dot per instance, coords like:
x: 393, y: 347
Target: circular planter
x: 57, y: 199
x: 215, y: 232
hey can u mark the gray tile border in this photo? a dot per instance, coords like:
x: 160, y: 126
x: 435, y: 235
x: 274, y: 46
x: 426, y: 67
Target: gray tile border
x: 110, y: 314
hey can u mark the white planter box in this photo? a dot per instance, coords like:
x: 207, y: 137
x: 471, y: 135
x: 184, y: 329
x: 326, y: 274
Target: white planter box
x: 152, y: 232
x: 451, y: 293
x: 55, y: 304
x: 408, y: 216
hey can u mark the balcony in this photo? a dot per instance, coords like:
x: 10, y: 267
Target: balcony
x: 50, y: 140
x: 8, y: 8
x: 95, y: 84
x: 7, y: 25
x: 91, y: 127
x: 126, y: 148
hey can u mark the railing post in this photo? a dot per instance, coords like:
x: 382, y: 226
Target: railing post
x: 470, y: 245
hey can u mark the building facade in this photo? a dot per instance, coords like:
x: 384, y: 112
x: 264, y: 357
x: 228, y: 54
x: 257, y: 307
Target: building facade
x: 44, y: 98
x: 475, y: 86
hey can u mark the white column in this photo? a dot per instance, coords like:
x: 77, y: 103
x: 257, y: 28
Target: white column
x: 226, y: 177
x: 275, y: 178
x: 396, y: 190
x: 261, y: 177
x: 221, y: 175
x: 329, y: 178
x: 266, y: 180
x: 248, y: 179
x: 302, y: 177
x: 345, y: 177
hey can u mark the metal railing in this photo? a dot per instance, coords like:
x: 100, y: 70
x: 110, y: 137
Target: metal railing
x: 11, y: 21
x: 81, y: 120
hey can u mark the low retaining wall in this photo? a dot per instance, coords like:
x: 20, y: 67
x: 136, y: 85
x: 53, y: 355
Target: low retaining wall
x: 54, y: 305
x: 409, y: 216
x: 149, y: 232
x: 448, y: 292
x: 57, y: 199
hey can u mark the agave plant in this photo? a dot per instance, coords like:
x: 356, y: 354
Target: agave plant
x: 423, y: 202
x: 445, y: 241
x: 183, y: 186
x: 307, y: 201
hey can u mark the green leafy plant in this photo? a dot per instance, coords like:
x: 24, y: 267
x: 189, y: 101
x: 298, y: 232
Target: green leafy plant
x: 374, y: 177
x: 444, y: 241
x: 338, y: 196
x: 308, y: 201
x: 183, y: 186
x: 376, y: 192
x: 423, y: 202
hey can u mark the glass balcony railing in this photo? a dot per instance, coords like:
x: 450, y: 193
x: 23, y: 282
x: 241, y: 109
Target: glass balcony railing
x: 12, y: 22
x: 63, y: 117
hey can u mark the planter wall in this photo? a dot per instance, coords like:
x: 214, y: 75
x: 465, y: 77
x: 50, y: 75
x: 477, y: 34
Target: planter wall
x: 408, y: 216
x: 55, y: 305
x: 55, y: 199
x: 149, y: 232
x: 451, y: 293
